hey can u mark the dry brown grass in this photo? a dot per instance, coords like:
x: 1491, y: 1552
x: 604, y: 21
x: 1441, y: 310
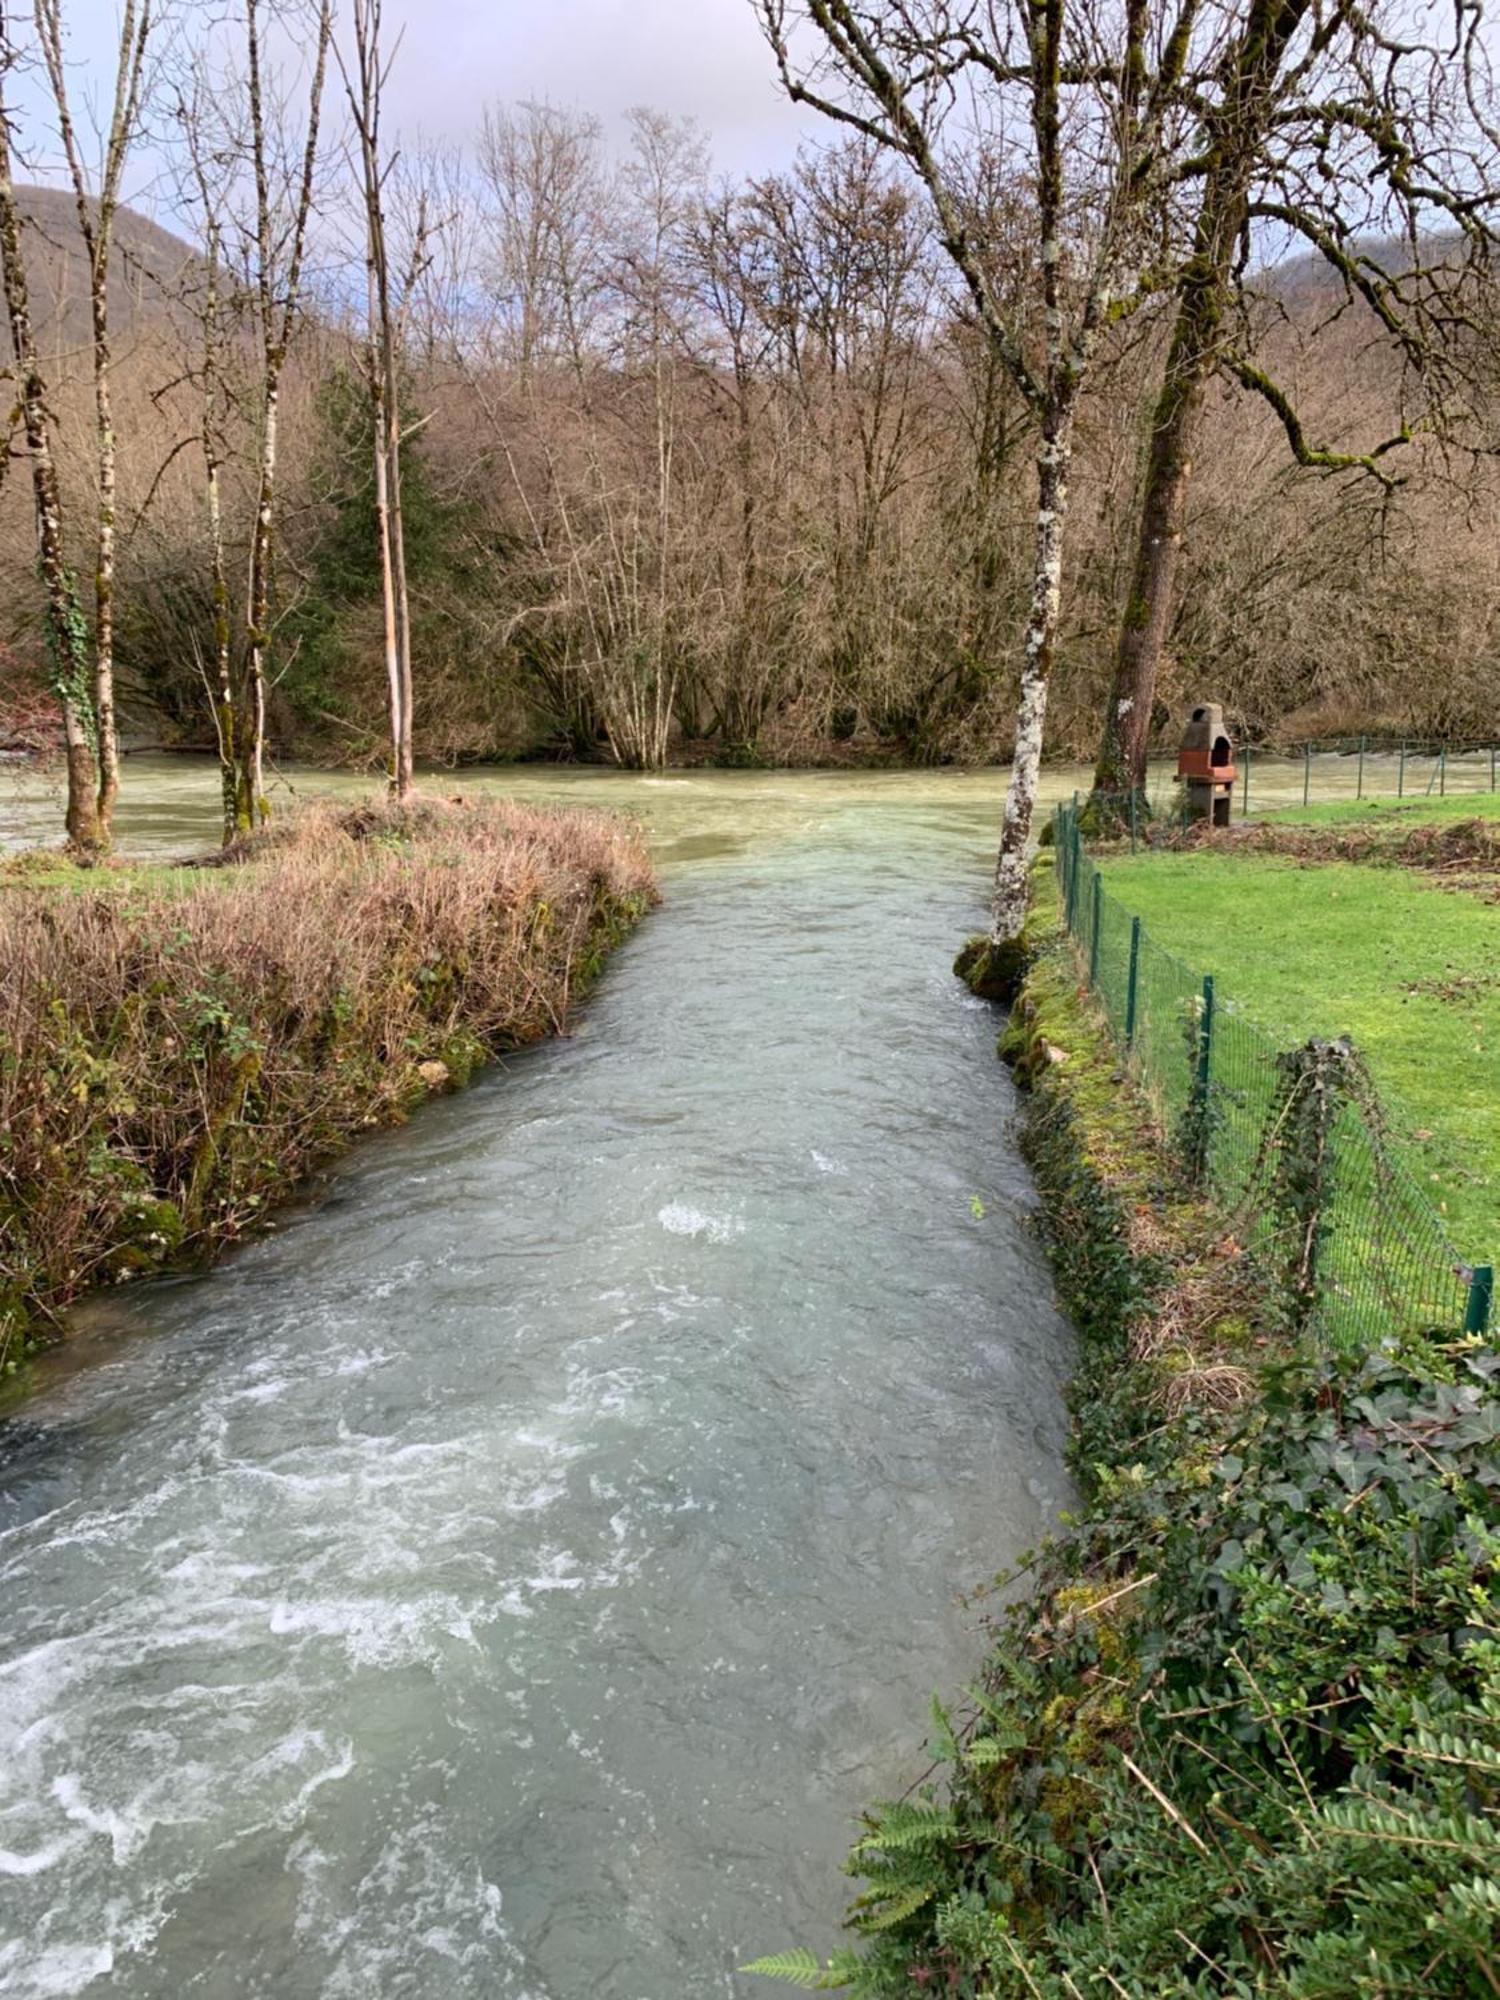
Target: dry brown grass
x: 178, y: 1048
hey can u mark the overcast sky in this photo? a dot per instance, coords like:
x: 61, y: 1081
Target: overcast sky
x: 697, y: 58
x: 700, y: 58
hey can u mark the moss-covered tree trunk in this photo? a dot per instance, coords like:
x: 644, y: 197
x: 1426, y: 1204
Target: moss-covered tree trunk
x: 67, y: 633
x: 1008, y: 902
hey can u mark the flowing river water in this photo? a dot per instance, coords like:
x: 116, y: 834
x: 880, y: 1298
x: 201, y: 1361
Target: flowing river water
x: 510, y: 1577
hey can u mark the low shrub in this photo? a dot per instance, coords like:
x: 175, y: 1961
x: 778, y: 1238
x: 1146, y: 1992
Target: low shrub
x: 179, y: 1047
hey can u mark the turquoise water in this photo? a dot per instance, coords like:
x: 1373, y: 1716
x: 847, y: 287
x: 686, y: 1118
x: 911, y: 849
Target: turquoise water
x: 511, y: 1577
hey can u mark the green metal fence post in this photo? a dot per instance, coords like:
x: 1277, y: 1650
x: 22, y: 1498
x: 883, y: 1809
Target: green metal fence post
x: 1359, y: 790
x: 1306, y: 770
x: 1202, y: 1081
x: 1442, y: 770
x: 1401, y: 771
x: 1095, y: 925
x: 1245, y: 793
x: 1481, y: 1298
x: 1132, y: 979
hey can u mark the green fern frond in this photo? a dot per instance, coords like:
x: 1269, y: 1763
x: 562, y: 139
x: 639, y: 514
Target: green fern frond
x: 895, y: 1909
x: 796, y: 1968
x: 906, y: 1828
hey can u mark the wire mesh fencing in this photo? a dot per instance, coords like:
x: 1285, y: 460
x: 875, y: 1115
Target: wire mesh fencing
x: 1292, y: 1142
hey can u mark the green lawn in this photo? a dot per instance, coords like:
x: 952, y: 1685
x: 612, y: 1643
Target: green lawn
x: 48, y: 868
x: 1408, y: 970
x: 1397, y: 814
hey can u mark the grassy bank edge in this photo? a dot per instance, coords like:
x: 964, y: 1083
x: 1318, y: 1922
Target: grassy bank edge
x: 1242, y: 1733
x: 379, y: 1054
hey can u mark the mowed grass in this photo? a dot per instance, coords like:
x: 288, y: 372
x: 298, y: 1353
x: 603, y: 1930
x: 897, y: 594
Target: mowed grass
x: 1395, y: 814
x: 1410, y: 971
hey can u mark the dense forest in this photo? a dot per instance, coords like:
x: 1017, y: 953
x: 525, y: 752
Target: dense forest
x: 723, y: 471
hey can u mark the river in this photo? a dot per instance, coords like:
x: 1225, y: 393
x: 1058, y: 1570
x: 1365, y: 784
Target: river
x: 510, y: 1577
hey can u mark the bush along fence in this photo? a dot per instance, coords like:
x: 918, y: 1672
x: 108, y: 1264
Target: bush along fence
x: 1291, y: 1141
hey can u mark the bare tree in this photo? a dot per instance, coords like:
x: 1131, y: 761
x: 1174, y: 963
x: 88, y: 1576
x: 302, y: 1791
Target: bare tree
x: 542, y: 173
x: 96, y: 209
x: 283, y: 175
x: 365, y: 88
x: 1348, y: 130
x: 212, y: 150
x: 66, y: 628
x: 1086, y: 103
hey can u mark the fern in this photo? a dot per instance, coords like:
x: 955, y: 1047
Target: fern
x: 798, y: 1968
x: 885, y: 1913
x: 905, y: 1828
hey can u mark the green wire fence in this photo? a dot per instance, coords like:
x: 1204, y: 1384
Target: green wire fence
x: 1292, y: 1142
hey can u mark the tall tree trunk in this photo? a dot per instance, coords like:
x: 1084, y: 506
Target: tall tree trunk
x: 67, y: 634
x: 381, y: 445
x: 250, y: 786
x: 1121, y: 767
x: 104, y: 571
x: 1203, y: 290
x: 222, y: 685
x: 365, y: 91
x: 277, y: 289
x: 405, y: 772
x: 1002, y: 952
x: 96, y: 218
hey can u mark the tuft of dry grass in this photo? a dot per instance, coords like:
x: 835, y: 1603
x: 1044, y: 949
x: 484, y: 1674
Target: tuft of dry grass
x: 178, y: 1049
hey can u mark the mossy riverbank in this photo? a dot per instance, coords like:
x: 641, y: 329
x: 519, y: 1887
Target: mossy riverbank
x: 181, y: 1046
x: 1242, y: 1735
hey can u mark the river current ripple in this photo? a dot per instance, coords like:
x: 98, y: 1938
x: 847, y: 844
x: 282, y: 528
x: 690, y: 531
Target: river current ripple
x: 511, y: 1577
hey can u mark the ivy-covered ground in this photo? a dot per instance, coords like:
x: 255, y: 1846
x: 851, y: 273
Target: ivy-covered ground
x: 1395, y: 944
x: 1242, y: 1735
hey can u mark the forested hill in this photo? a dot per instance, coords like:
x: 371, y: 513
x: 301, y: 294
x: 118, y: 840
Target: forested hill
x: 760, y: 497
x: 147, y: 269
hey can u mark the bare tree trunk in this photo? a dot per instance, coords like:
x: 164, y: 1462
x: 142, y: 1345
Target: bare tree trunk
x: 1121, y: 767
x: 250, y: 785
x: 223, y: 668
x: 1146, y: 620
x: 1008, y: 904
x: 67, y: 634
x: 96, y: 227
x: 364, y: 91
x: 278, y: 278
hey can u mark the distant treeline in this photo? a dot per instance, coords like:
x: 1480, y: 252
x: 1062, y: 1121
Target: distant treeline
x: 721, y: 471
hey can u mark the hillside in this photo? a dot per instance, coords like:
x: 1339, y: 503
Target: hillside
x: 146, y: 265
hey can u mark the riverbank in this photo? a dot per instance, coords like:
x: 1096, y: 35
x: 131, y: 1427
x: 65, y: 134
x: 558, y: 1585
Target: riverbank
x: 1242, y: 1734
x: 181, y: 1045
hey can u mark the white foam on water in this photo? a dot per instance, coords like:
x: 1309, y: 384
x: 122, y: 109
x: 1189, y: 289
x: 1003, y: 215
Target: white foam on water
x: 37, y: 1861
x: 679, y: 1218
x: 54, y: 1974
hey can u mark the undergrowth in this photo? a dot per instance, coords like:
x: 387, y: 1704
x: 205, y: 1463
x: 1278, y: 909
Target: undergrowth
x: 178, y: 1048
x: 1243, y: 1735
